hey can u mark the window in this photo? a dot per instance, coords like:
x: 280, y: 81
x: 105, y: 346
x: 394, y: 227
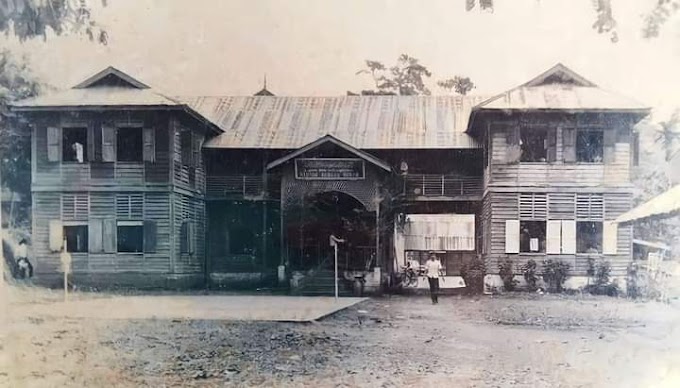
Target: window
x: 129, y: 144
x: 74, y: 145
x: 588, y: 237
x: 130, y: 237
x: 76, y: 238
x: 533, y: 145
x: 532, y: 237
x: 241, y: 241
x: 590, y: 146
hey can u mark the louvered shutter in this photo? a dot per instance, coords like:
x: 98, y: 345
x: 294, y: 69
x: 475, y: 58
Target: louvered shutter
x: 610, y: 238
x: 512, y: 236
x: 533, y: 206
x: 191, y: 237
x: 109, y: 235
x: 196, y: 142
x: 186, y: 146
x: 96, y: 141
x: 56, y: 230
x: 590, y: 207
x: 108, y: 143
x: 569, y: 237
x: 149, y: 145
x: 95, y: 233
x: 553, y: 237
x: 150, y: 236
x: 609, y: 140
x: 53, y: 144
x: 569, y: 144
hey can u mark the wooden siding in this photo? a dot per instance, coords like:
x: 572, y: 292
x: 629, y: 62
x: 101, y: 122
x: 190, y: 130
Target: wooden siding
x: 505, y: 206
x: 188, y: 209
x: 93, y: 173
x: 505, y: 173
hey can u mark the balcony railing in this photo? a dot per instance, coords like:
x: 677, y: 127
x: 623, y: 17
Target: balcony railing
x: 241, y: 186
x: 442, y: 186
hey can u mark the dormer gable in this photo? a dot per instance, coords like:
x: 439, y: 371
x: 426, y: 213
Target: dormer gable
x: 560, y: 75
x: 111, y: 77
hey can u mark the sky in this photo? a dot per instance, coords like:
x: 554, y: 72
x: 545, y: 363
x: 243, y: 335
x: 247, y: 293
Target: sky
x: 315, y: 47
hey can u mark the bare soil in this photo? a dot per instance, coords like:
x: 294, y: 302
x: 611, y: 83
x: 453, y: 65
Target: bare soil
x: 522, y: 340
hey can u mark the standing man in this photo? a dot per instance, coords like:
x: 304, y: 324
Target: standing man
x: 24, y: 266
x: 433, y: 269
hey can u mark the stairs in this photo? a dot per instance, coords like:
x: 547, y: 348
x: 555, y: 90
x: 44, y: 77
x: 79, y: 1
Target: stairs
x: 322, y: 283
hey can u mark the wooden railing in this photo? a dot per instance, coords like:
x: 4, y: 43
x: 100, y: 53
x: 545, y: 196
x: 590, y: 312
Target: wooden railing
x: 235, y: 186
x: 442, y: 186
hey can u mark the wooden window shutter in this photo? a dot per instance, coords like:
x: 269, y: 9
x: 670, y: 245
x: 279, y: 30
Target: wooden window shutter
x: 150, y: 232
x: 513, y: 151
x: 56, y: 235
x: 609, y: 140
x: 635, y: 149
x: 554, y: 237
x: 95, y: 234
x: 149, y: 145
x: 183, y: 238
x: 610, y: 232
x: 551, y: 144
x: 533, y: 206
x: 108, y: 143
x: 590, y: 207
x: 191, y: 237
x: 569, y: 144
x: 569, y: 237
x: 53, y: 144
x: 197, y: 140
x: 96, y: 141
x: 185, y: 146
x: 511, y: 236
x: 109, y: 235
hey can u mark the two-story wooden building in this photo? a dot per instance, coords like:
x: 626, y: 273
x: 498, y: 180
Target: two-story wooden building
x: 148, y: 190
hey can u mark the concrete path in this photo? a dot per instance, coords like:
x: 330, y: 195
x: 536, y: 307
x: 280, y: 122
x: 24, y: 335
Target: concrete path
x: 209, y: 307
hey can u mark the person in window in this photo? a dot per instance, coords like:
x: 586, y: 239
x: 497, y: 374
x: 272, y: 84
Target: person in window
x: 77, y: 151
x: 433, y: 269
x: 24, y: 266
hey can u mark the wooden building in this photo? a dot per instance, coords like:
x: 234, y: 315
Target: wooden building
x: 148, y: 190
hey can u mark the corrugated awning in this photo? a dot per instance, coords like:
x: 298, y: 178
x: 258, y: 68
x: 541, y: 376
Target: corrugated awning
x: 664, y: 205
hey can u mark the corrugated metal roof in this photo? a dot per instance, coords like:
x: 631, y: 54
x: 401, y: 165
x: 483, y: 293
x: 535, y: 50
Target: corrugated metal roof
x: 559, y: 96
x: 665, y: 204
x: 560, y: 88
x: 107, y: 96
x: 365, y: 122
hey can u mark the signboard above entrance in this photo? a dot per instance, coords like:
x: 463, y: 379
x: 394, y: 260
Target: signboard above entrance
x: 330, y: 169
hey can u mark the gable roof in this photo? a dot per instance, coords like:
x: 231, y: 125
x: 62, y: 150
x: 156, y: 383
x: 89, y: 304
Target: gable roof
x: 330, y: 139
x: 111, y: 73
x: 560, y: 88
x: 365, y: 122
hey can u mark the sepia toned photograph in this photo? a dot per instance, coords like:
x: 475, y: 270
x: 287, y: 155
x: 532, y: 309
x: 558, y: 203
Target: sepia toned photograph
x: 340, y: 193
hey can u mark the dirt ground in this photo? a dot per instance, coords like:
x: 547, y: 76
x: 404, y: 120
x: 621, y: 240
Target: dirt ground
x: 511, y: 341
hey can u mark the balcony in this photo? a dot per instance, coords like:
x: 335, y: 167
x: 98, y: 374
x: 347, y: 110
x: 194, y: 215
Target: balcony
x: 235, y: 186
x: 434, y: 187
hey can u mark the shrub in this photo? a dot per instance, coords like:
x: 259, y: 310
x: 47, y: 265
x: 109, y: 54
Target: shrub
x: 554, y: 274
x: 530, y: 276
x: 601, y: 279
x: 473, y: 274
x: 507, y: 275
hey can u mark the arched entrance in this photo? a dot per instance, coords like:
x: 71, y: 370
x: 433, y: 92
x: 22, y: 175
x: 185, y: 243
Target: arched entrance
x: 319, y: 215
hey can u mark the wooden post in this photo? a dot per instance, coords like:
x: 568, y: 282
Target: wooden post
x: 335, y: 246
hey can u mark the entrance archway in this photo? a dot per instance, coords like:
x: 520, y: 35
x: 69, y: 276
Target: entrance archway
x: 322, y: 214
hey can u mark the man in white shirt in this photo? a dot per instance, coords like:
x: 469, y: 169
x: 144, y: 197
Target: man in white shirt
x: 433, y: 269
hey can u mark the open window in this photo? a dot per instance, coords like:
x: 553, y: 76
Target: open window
x: 590, y: 146
x: 76, y: 238
x: 129, y: 144
x: 130, y: 236
x: 589, y: 237
x: 74, y: 145
x: 532, y: 237
x: 533, y: 145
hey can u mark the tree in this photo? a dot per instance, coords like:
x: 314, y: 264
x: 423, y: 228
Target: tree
x: 31, y: 18
x: 461, y: 85
x: 667, y: 135
x: 407, y: 77
x: 605, y: 23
